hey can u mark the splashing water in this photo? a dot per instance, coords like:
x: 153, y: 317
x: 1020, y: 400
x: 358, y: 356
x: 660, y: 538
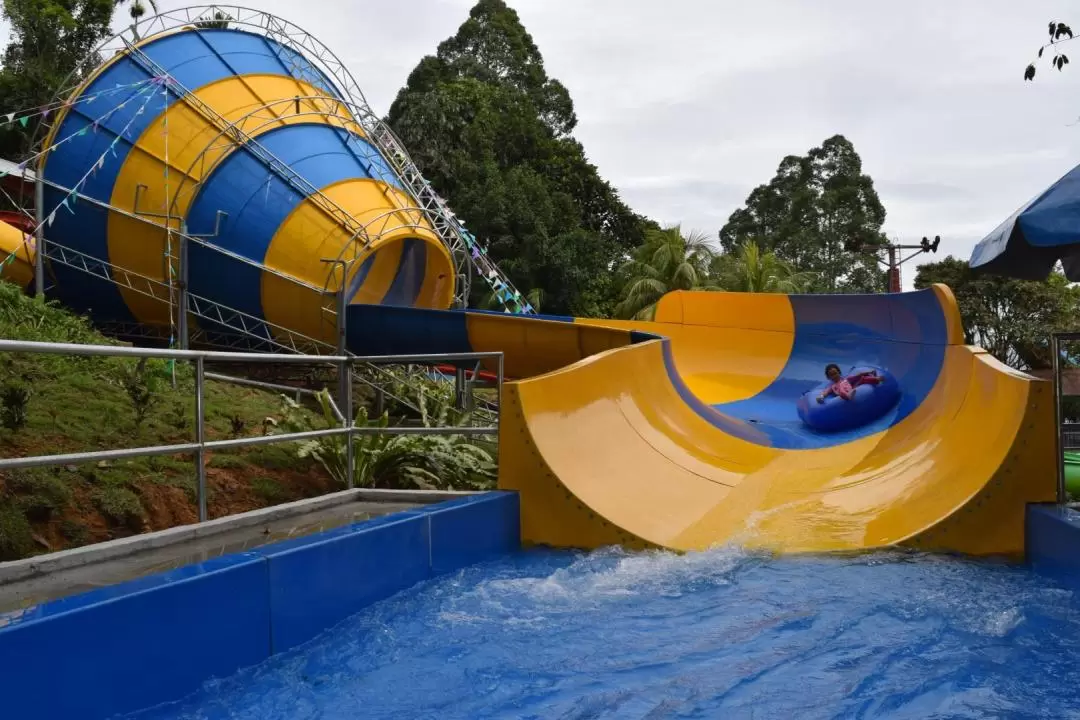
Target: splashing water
x: 724, y: 633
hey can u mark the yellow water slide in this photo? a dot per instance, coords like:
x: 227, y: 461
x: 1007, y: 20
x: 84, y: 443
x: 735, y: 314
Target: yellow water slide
x: 16, y: 255
x: 686, y: 437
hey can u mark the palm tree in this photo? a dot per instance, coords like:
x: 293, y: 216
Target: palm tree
x: 751, y: 270
x: 137, y: 9
x: 666, y: 261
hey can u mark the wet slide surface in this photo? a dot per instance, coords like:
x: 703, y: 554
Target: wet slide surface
x: 682, y: 433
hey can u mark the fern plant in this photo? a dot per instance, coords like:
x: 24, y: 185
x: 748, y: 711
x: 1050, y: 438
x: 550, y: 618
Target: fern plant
x: 430, y: 462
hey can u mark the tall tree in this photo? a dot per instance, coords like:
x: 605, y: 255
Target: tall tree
x: 668, y: 260
x: 50, y: 40
x: 1011, y: 319
x: 751, y: 269
x: 812, y: 214
x: 491, y: 131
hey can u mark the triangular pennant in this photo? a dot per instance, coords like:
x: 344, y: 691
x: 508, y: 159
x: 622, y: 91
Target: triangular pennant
x: 9, y: 118
x: 52, y: 216
x: 23, y: 120
x: 82, y: 131
x: 45, y: 114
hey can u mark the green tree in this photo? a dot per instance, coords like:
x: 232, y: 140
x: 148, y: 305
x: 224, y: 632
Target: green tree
x: 749, y: 269
x: 50, y: 40
x: 668, y: 260
x: 491, y: 131
x: 812, y: 214
x: 1011, y: 319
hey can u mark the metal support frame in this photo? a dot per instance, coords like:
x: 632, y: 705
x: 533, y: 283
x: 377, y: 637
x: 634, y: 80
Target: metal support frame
x: 1059, y: 435
x: 200, y: 435
x: 39, y: 236
x: 308, y: 59
x: 201, y: 445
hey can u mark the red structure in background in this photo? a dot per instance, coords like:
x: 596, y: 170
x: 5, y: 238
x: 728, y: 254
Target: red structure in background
x: 892, y: 254
x: 17, y: 186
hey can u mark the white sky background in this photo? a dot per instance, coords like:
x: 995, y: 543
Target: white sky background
x: 687, y: 105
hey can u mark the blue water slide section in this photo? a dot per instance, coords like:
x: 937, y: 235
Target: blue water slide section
x: 410, y: 274
x: 389, y: 330
x: 905, y: 334
x: 257, y: 200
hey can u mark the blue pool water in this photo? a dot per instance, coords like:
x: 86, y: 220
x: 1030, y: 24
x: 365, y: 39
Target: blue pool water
x: 722, y: 634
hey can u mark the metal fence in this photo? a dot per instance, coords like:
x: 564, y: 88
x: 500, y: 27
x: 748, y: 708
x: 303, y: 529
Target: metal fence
x: 343, y: 363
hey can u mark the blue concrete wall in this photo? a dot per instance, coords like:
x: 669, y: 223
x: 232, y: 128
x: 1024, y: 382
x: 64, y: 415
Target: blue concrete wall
x: 1052, y: 536
x: 156, y: 639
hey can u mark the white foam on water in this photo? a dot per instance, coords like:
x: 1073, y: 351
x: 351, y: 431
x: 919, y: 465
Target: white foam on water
x: 616, y: 573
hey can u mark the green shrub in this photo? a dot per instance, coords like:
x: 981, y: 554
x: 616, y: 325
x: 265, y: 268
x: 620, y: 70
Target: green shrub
x: 144, y: 384
x: 268, y: 490
x: 14, y: 406
x: 16, y: 540
x: 120, y: 505
x: 385, y: 460
x: 39, y: 492
x: 75, y: 532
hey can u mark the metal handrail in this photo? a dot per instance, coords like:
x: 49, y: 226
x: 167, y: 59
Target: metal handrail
x: 343, y: 363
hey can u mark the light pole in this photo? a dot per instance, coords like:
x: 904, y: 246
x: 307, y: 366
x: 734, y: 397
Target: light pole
x: 892, y: 255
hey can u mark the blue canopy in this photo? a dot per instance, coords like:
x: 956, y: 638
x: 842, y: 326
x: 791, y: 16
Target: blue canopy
x: 1034, y: 238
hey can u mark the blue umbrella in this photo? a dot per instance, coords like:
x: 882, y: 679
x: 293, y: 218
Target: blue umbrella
x: 1034, y: 238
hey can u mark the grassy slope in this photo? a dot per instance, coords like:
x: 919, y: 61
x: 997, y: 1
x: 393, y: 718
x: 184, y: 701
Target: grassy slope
x: 80, y: 404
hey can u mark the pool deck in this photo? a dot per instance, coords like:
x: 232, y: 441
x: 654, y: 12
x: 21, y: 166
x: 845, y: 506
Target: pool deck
x: 28, y: 582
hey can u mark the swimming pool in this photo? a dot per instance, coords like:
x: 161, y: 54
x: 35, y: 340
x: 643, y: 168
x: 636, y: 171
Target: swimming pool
x: 724, y: 633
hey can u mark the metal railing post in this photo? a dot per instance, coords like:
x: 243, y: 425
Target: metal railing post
x: 39, y: 235
x: 1055, y: 349
x: 182, y: 288
x: 200, y: 437
x: 345, y: 369
x: 499, y: 398
x: 460, y: 390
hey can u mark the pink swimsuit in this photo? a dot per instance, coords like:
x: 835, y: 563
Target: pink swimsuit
x: 845, y: 386
x: 842, y: 388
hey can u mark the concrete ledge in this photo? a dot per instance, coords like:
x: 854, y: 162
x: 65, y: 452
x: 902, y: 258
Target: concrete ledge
x: 90, y: 554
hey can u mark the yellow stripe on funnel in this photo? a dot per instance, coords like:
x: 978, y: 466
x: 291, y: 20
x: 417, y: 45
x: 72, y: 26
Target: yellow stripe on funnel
x: 309, y: 234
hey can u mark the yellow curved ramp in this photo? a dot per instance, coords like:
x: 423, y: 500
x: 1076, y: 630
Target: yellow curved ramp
x: 683, y: 442
x: 16, y: 256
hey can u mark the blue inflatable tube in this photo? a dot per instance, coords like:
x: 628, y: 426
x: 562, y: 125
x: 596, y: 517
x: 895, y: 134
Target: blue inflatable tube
x: 869, y: 403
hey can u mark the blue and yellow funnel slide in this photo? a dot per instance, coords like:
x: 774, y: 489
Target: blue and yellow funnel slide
x: 251, y: 147
x: 679, y: 433
x: 682, y: 433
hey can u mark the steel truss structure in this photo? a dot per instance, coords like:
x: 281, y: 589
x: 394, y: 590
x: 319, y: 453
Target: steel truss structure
x: 313, y: 62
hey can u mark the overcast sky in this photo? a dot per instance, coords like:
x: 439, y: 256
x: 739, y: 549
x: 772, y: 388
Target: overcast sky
x: 686, y: 105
